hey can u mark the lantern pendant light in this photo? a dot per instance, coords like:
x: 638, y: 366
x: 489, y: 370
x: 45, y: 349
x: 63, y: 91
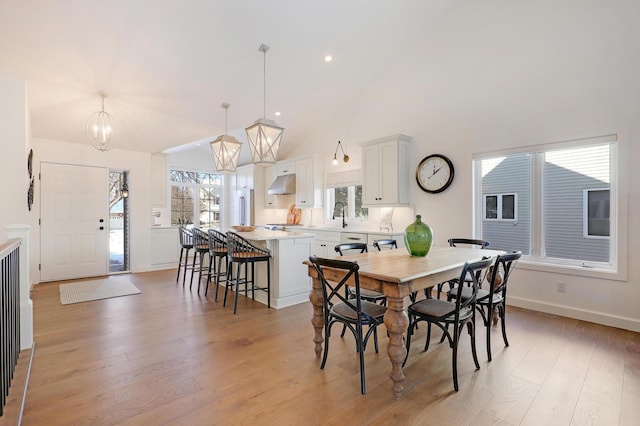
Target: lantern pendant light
x: 100, y: 128
x: 264, y: 135
x: 226, y: 149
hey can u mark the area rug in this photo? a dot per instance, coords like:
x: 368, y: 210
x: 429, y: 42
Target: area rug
x: 86, y: 291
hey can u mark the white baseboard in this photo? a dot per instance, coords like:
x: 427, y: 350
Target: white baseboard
x: 576, y: 313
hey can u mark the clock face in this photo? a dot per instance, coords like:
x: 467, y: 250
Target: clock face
x: 434, y: 173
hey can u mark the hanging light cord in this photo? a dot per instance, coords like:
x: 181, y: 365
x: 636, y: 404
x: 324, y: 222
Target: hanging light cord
x: 264, y: 81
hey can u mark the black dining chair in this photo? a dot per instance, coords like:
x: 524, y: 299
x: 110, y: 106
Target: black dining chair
x: 369, y: 295
x: 461, y: 242
x: 385, y: 244
x: 457, y: 314
x: 354, y: 313
x: 494, y: 298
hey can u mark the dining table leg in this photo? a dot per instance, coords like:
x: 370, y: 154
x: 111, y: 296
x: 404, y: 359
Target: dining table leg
x: 317, y: 300
x: 396, y: 322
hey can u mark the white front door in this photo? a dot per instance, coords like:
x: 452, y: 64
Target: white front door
x: 74, y: 212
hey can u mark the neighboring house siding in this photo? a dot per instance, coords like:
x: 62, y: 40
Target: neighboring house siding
x: 510, y: 176
x: 563, y: 214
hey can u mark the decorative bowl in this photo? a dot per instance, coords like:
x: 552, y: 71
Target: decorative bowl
x: 243, y: 228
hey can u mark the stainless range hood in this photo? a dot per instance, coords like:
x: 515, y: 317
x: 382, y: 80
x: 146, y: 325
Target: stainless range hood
x: 285, y: 184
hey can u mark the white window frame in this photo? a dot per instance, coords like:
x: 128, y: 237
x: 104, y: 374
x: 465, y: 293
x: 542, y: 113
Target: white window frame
x: 499, y: 207
x: 585, y: 214
x: 616, y: 269
x: 196, y: 192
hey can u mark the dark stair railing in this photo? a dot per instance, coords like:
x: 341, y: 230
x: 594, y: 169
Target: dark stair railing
x: 9, y: 315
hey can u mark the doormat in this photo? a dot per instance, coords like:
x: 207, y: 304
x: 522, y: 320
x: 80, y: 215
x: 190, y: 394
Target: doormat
x: 86, y: 291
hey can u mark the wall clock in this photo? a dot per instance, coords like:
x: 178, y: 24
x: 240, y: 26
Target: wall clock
x: 434, y: 173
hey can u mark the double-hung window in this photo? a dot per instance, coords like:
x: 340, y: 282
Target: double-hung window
x: 195, y: 198
x: 556, y: 203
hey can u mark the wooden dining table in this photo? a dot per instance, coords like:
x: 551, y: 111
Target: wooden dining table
x: 396, y: 274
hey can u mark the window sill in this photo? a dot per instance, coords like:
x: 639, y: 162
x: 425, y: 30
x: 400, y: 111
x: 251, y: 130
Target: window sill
x: 605, y: 274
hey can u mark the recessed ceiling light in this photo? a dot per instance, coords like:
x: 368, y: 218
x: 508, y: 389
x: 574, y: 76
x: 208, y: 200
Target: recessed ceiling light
x: 328, y: 58
x: 277, y: 113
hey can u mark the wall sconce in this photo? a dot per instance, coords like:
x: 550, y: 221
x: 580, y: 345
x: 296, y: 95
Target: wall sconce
x: 345, y: 157
x: 124, y: 190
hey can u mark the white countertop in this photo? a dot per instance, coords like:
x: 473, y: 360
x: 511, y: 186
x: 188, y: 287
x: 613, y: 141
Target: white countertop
x: 374, y: 231
x: 265, y: 235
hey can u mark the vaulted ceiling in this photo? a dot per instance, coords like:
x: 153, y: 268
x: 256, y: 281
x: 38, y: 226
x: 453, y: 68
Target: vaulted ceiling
x: 453, y: 66
x: 167, y: 66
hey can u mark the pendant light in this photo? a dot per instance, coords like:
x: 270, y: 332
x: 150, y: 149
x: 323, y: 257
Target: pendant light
x: 100, y: 128
x: 226, y: 149
x: 264, y: 135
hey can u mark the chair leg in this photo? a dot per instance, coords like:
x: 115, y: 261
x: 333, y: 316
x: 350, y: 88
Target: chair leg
x: 217, y: 274
x: 201, y: 261
x: 179, y: 263
x: 235, y: 300
x: 408, y: 341
x: 454, y: 359
x: 269, y: 284
x: 211, y: 264
x: 360, y: 344
x: 504, y: 328
x: 327, y: 334
x: 193, y: 269
x: 471, y: 326
x: 228, y: 282
x: 426, y: 344
x: 184, y: 269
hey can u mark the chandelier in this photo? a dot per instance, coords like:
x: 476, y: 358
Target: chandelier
x: 264, y: 135
x: 100, y: 128
x: 226, y: 149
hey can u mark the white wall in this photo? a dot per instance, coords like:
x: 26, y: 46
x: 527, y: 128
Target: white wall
x: 13, y: 160
x: 510, y: 74
x: 139, y: 167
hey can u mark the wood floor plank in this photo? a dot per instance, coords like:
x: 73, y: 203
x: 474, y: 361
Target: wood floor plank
x: 171, y: 356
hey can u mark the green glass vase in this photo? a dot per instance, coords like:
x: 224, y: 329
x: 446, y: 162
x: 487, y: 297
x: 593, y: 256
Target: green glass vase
x: 418, y: 238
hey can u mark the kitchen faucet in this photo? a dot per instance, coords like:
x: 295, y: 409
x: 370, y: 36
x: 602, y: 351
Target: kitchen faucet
x: 344, y: 224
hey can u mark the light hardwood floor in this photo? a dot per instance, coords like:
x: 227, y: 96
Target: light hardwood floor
x: 169, y: 356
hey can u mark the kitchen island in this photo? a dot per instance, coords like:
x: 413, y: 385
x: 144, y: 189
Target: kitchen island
x: 290, y: 283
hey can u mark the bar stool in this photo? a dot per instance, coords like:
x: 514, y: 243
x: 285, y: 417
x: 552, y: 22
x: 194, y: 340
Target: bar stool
x: 186, y: 244
x: 201, y: 247
x: 217, y: 252
x: 243, y: 252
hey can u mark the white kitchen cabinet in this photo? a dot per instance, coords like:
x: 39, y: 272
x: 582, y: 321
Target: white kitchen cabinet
x: 164, y: 247
x: 309, y: 182
x: 270, y: 201
x: 324, y: 243
x: 386, y: 171
x: 244, y: 177
x: 285, y: 168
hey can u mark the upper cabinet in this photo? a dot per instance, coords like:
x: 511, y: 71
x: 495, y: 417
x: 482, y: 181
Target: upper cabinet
x: 386, y: 173
x: 285, y: 168
x: 309, y: 182
x: 244, y: 177
x: 270, y: 201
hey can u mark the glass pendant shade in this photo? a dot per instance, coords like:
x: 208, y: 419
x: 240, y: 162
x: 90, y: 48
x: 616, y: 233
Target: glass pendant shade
x: 264, y: 141
x: 100, y: 129
x: 226, y: 151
